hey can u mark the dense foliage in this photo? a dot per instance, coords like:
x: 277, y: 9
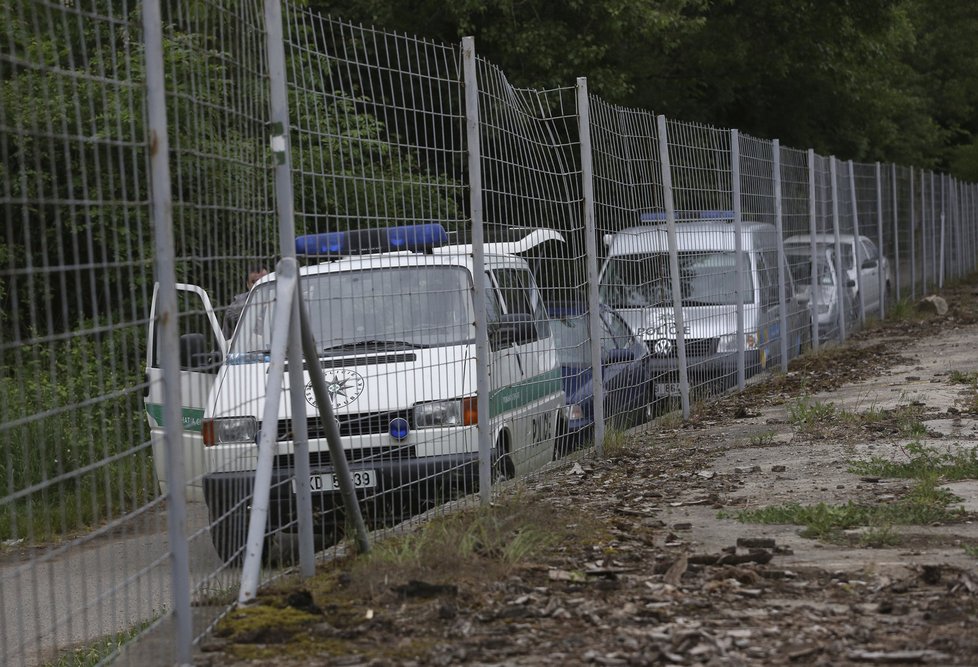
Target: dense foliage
x: 888, y: 80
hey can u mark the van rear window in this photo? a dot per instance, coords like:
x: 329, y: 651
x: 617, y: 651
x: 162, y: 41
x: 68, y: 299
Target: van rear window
x: 707, y: 279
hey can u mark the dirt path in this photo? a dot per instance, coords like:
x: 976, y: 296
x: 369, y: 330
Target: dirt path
x: 669, y: 575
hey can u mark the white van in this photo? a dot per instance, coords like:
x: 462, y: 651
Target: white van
x: 393, y: 313
x: 635, y: 280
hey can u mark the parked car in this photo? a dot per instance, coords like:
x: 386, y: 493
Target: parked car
x: 824, y: 301
x: 625, y: 369
x: 866, y: 278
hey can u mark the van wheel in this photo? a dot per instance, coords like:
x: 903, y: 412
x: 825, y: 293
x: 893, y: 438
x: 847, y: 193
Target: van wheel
x: 229, y: 534
x: 502, y: 466
x: 648, y: 412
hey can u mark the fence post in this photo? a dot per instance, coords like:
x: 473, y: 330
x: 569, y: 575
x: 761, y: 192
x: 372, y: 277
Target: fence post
x: 677, y: 293
x: 858, y: 246
x: 162, y: 210
x: 839, y: 266
x: 478, y: 268
x: 913, y: 238
x: 738, y: 256
x: 591, y: 261
x: 940, y: 254
x: 812, y: 230
x: 879, y: 240
x: 896, y: 232
x: 285, y: 209
x: 779, y: 226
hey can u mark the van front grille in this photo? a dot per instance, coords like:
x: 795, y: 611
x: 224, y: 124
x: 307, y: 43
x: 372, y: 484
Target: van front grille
x: 695, y: 347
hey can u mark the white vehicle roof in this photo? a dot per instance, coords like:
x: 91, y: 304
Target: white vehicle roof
x: 826, y: 237
x: 692, y: 236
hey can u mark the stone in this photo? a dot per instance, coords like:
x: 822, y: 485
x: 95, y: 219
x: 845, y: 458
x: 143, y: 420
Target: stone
x: 933, y: 305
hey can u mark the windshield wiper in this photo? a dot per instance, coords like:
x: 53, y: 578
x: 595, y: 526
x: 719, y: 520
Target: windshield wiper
x: 373, y: 344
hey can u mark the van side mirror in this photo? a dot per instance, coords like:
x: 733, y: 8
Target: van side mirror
x: 194, y: 354
x: 869, y: 264
x: 850, y: 283
x: 512, y: 329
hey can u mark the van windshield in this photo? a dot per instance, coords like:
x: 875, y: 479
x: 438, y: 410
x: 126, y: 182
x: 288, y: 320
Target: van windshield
x: 708, y: 279
x: 387, y: 308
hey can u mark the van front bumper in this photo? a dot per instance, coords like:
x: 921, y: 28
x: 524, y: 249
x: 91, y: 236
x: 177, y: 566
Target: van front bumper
x: 402, y: 488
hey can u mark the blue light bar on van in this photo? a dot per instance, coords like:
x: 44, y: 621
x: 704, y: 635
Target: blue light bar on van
x: 413, y: 238
x: 687, y: 216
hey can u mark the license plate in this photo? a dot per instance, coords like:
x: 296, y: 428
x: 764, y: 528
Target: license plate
x: 362, y: 479
x: 666, y: 389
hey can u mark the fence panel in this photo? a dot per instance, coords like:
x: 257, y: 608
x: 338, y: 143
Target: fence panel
x: 378, y: 137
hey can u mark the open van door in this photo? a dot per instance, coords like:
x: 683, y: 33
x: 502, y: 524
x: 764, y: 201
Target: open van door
x: 202, y: 348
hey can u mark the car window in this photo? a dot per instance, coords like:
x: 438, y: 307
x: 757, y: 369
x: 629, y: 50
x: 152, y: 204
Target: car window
x: 620, y: 333
x: 767, y: 276
x: 869, y: 250
x: 520, y: 295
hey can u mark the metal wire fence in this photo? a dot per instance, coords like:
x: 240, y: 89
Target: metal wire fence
x: 270, y: 280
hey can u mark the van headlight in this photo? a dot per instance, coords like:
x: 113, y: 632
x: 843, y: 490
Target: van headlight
x: 438, y: 414
x: 226, y: 430
x: 728, y: 343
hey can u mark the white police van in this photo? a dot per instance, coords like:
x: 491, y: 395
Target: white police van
x: 393, y: 313
x: 635, y: 279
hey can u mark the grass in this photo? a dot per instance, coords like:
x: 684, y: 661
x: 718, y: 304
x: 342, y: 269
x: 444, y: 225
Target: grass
x: 957, y: 377
x: 901, y: 310
x: 806, y: 412
x: 971, y: 550
x: 762, y: 439
x: 72, y: 440
x: 472, y: 550
x: 919, y: 461
x: 100, y: 650
x: 927, y: 502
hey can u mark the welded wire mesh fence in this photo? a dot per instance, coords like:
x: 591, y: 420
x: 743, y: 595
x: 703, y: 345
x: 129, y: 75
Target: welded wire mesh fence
x: 629, y: 263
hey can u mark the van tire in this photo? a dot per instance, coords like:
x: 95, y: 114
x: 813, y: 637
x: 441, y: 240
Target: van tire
x: 229, y: 535
x: 502, y: 463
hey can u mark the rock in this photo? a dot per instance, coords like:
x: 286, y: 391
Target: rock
x: 779, y: 468
x: 933, y: 305
x: 756, y: 542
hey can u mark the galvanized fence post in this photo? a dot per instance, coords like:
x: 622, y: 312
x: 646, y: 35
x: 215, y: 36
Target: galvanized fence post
x: 472, y: 126
x: 940, y: 254
x: 812, y: 230
x: 591, y: 262
x: 677, y: 293
x: 879, y: 240
x: 839, y: 264
x: 738, y: 256
x: 779, y: 227
x: 896, y: 233
x: 279, y: 113
x: 913, y: 239
x: 162, y: 209
x: 858, y: 246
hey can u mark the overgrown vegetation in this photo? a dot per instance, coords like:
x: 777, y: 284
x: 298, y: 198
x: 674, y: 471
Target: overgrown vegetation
x: 920, y: 461
x: 446, y: 557
x: 925, y: 504
x: 73, y: 434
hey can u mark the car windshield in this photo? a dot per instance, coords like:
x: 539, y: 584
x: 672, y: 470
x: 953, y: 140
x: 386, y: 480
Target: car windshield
x: 571, y: 338
x: 800, y: 265
x: 827, y: 248
x: 708, y: 279
x: 386, y: 308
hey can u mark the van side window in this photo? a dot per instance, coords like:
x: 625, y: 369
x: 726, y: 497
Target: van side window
x: 520, y: 295
x: 493, y: 309
x: 767, y: 273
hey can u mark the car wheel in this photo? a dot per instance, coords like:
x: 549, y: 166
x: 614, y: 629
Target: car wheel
x: 229, y: 534
x: 502, y: 466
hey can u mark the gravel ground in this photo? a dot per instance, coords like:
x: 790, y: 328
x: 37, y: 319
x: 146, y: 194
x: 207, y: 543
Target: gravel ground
x: 660, y: 572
